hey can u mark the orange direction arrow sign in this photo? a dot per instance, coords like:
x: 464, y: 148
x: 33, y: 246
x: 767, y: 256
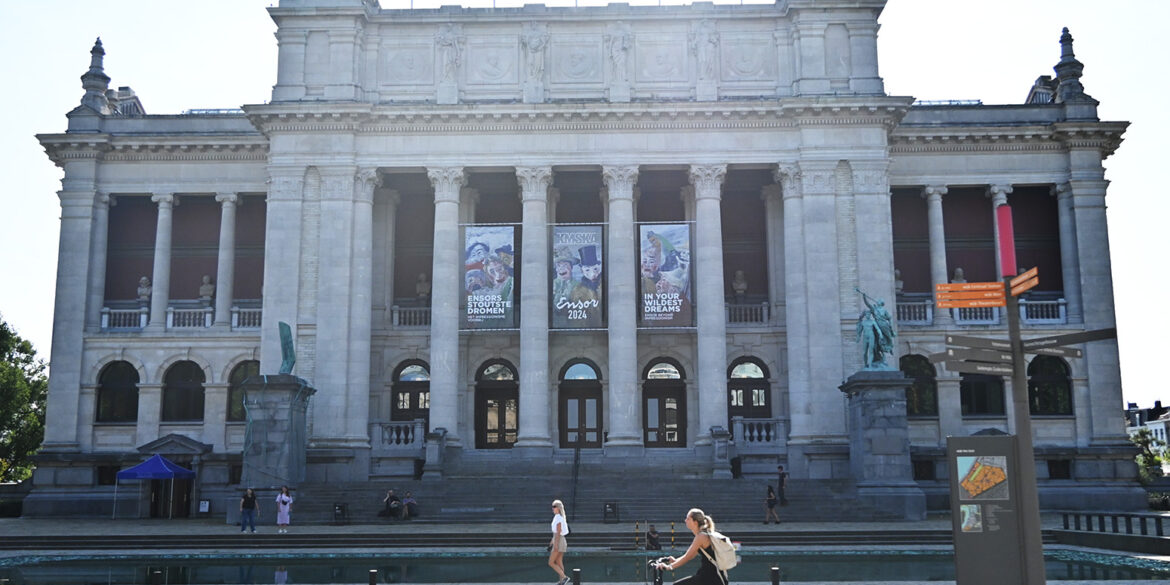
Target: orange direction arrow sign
x: 968, y: 295
x: 999, y: 302
x: 1027, y: 285
x: 1027, y: 275
x: 959, y: 286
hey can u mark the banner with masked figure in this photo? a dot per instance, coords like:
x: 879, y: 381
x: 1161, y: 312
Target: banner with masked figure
x: 665, y: 268
x: 577, y: 282
x: 488, y: 276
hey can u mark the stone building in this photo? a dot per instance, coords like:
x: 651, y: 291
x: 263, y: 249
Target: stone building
x: 663, y: 214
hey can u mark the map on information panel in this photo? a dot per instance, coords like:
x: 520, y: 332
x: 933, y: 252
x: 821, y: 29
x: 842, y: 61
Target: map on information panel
x: 984, y: 478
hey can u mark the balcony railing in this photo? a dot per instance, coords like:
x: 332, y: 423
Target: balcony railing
x: 976, y: 316
x: 746, y: 314
x: 124, y: 318
x: 246, y: 318
x: 915, y: 312
x: 190, y: 318
x: 399, y: 438
x: 1042, y: 311
x: 410, y: 317
x: 758, y: 435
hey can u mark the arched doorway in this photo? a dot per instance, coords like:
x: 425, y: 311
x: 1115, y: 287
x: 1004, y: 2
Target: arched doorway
x: 497, y: 405
x: 1049, y: 386
x: 579, y: 405
x: 664, y: 404
x: 410, y: 393
x: 748, y: 390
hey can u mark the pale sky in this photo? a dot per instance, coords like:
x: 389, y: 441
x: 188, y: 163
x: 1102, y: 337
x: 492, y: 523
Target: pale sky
x: 179, y: 55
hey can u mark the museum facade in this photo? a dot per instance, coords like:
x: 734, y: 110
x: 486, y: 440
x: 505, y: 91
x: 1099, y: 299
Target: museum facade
x: 633, y: 233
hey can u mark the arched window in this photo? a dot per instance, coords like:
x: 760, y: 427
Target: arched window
x: 117, y: 393
x: 1049, y: 387
x: 981, y: 395
x: 243, y: 371
x: 580, y: 371
x: 579, y: 405
x: 411, y: 392
x: 497, y: 405
x: 664, y: 404
x: 182, y: 393
x: 922, y: 395
x: 748, y: 390
x: 496, y: 371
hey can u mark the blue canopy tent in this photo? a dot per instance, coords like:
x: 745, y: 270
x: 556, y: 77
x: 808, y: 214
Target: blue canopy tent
x: 157, y: 467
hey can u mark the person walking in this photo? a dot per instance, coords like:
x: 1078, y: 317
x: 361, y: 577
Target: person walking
x: 770, y: 506
x: 701, y: 525
x: 284, y: 502
x: 249, y: 510
x: 558, y: 544
x: 782, y: 484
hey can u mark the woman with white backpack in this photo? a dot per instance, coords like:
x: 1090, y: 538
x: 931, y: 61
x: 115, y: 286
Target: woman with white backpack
x: 709, y: 573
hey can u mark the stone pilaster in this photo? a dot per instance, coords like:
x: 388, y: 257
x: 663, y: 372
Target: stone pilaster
x: 361, y: 304
x: 444, y: 358
x: 625, y: 435
x: 226, y: 267
x: 1070, y: 265
x: 99, y: 244
x: 938, y: 246
x: 160, y: 278
x: 710, y: 313
x: 282, y: 260
x: 535, y: 391
x: 795, y: 299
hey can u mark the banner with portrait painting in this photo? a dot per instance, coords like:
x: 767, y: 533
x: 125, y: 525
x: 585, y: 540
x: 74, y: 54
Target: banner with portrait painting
x: 665, y: 275
x: 489, y: 261
x: 577, y: 278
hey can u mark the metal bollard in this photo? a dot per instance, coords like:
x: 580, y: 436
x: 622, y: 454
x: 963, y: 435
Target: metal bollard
x: 373, y: 576
x: 156, y: 578
x: 775, y: 575
x: 576, y: 576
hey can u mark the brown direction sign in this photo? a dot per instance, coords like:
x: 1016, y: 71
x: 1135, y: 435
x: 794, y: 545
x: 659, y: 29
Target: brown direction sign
x: 968, y: 294
x: 980, y: 342
x: 978, y: 355
x: 967, y: 304
x: 960, y: 286
x: 1070, y: 339
x: 1027, y: 275
x: 1025, y: 286
x: 980, y: 368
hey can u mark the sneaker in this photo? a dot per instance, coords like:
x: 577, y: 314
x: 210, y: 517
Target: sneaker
x: 253, y: 531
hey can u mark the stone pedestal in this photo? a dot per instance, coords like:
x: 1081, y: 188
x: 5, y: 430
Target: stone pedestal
x: 448, y: 93
x: 879, y: 443
x: 274, y: 445
x: 619, y: 92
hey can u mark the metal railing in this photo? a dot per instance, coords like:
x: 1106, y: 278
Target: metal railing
x: 407, y: 317
x: 747, y: 314
x: 1115, y: 523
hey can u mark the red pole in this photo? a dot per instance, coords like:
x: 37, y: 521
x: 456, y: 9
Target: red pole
x: 1007, y: 240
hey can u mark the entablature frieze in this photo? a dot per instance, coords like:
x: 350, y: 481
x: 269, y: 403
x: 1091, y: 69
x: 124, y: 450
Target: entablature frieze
x: 1059, y: 137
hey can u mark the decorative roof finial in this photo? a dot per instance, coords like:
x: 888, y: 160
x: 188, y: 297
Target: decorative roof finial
x: 1068, y: 73
x: 95, y: 81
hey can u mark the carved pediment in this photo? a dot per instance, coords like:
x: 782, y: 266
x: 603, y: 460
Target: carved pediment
x: 175, y: 444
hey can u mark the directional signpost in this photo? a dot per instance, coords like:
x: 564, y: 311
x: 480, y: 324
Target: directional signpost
x: 964, y: 295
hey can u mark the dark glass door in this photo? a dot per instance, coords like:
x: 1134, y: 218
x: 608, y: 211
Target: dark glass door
x: 664, y: 414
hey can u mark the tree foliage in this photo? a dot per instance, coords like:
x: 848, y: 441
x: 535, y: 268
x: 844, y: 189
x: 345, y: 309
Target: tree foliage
x: 23, y: 387
x: 1149, y: 457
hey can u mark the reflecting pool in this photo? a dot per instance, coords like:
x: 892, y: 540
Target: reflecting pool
x: 601, y: 567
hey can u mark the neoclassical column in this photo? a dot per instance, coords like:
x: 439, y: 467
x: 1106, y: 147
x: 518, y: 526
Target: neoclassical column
x: 938, y: 245
x: 390, y: 198
x: 795, y: 299
x: 225, y: 270
x: 160, y: 278
x: 625, y: 435
x: 469, y: 201
x: 361, y: 298
x: 98, y: 246
x: 336, y: 287
x: 534, y: 388
x: 710, y: 314
x: 998, y: 195
x: 1070, y: 265
x: 445, y: 263
x: 774, y: 237
x: 284, y: 237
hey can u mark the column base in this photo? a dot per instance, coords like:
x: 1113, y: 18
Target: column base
x: 623, y: 448
x: 533, y: 449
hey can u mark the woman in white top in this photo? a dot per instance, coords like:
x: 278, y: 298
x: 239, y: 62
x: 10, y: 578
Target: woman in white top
x: 557, y: 546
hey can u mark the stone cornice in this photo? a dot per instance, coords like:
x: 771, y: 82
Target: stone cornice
x: 1103, y: 136
x: 176, y: 147
x: 1058, y: 137
x: 64, y: 147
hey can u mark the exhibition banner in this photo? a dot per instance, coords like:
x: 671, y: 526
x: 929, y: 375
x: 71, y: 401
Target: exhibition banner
x: 665, y: 283
x: 488, y: 264
x: 577, y: 281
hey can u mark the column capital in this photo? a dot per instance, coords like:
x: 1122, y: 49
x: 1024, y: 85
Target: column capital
x: 787, y: 175
x: 447, y: 181
x: 933, y: 192
x: 707, y: 180
x: 227, y: 198
x: 164, y: 199
x: 1000, y: 190
x: 369, y: 178
x: 534, y: 182
x: 104, y: 198
x: 620, y: 180
x: 1062, y: 191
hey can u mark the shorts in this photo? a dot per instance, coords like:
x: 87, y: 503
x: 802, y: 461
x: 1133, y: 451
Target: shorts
x: 562, y: 544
